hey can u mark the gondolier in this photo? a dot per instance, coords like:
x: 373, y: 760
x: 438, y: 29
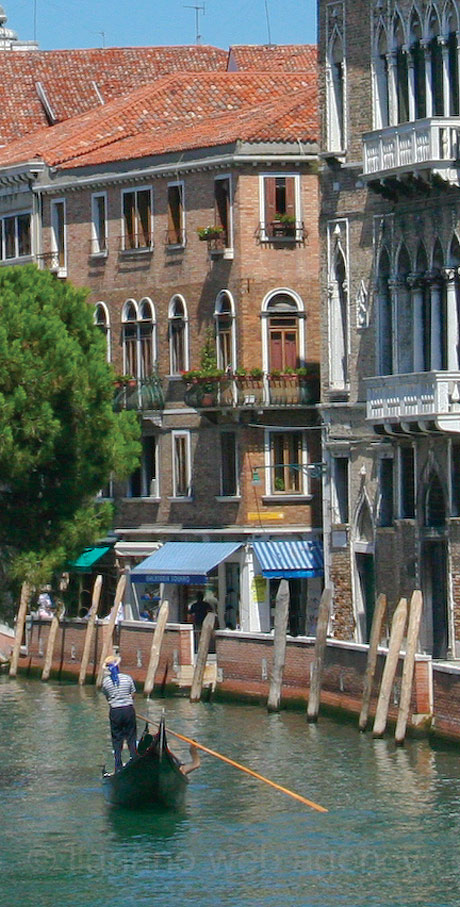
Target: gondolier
x: 118, y: 688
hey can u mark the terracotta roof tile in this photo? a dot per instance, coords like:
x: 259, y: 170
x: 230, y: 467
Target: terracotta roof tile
x: 266, y: 57
x: 69, y: 79
x: 180, y: 111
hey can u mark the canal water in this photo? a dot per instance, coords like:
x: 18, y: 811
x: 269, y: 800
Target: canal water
x: 391, y: 837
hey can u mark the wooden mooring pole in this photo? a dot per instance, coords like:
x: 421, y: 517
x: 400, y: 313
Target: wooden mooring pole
x: 202, y: 654
x: 90, y: 629
x: 415, y: 614
x: 396, y: 636
x: 155, y: 651
x: 26, y: 592
x: 376, y: 631
x: 318, y: 660
x: 51, y: 641
x: 107, y: 645
x: 279, y: 646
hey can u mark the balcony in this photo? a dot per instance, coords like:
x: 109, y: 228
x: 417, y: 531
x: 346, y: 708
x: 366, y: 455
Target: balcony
x: 424, y: 150
x: 140, y: 395
x: 420, y: 402
x: 253, y: 391
x: 284, y: 230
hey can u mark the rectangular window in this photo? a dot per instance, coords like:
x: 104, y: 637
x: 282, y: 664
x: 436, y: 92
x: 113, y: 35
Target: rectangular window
x: 340, y: 489
x: 175, y: 235
x: 287, y: 473
x: 386, y: 491
x: 137, y: 219
x: 407, y: 482
x: 58, y: 237
x: 144, y: 480
x: 99, y: 223
x: 229, y: 464
x: 181, y: 464
x: 455, y: 478
x: 280, y: 215
x: 15, y: 237
x: 222, y: 209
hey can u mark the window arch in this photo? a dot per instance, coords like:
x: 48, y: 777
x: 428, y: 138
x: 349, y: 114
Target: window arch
x: 422, y: 314
x: 435, y: 503
x: 402, y: 75
x: 451, y: 28
x: 129, y: 338
x: 147, y: 337
x: 224, y: 315
x: 178, y: 336
x: 433, y: 28
x: 284, y: 335
x: 102, y: 321
x: 418, y: 66
x: 381, y: 78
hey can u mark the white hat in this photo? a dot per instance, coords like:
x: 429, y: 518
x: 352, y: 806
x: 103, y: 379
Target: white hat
x: 112, y: 660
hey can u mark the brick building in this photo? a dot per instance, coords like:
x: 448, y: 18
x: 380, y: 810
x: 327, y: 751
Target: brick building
x: 390, y: 266
x: 189, y: 208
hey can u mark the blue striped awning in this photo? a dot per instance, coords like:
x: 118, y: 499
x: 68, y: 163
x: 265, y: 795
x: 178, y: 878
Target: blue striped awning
x: 183, y: 562
x: 290, y: 560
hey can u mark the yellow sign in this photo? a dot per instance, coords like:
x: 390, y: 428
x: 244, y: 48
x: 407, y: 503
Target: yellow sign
x: 266, y: 515
x: 259, y: 588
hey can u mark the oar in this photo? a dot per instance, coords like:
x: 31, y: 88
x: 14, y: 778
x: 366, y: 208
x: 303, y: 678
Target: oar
x: 242, y: 768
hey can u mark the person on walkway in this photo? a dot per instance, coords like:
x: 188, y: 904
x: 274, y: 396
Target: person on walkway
x: 199, y: 609
x: 118, y: 689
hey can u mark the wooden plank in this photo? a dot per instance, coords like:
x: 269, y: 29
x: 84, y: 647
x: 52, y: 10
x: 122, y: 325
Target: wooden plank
x: 389, y: 671
x: 376, y: 632
x: 202, y: 654
x: 155, y: 651
x: 279, y: 646
x: 318, y: 661
x: 90, y: 629
x: 415, y: 614
x: 26, y: 593
x: 107, y: 645
x: 51, y: 641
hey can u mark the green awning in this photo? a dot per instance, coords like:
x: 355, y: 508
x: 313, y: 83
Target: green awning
x: 88, y: 558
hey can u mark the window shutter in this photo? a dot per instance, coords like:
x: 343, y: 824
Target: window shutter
x: 290, y: 196
x: 270, y: 202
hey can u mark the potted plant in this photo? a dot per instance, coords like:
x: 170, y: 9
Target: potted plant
x: 284, y: 225
x: 209, y: 232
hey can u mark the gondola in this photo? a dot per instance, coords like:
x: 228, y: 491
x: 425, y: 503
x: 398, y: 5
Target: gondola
x: 152, y: 777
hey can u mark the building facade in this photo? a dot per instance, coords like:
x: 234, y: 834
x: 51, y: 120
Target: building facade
x: 196, y: 234
x: 390, y: 341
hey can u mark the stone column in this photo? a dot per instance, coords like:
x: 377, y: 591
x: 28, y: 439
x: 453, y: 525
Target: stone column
x: 428, y: 85
x: 436, y: 321
x: 450, y: 276
x: 416, y: 285
x: 392, y: 89
x: 395, y: 285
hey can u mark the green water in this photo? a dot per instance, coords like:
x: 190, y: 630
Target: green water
x: 391, y: 837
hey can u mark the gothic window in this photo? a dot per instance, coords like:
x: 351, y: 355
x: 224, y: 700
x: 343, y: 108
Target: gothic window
x: 381, y: 80
x: 406, y: 482
x: 338, y: 320
x: 402, y: 81
x: 436, y: 63
x: 178, y: 336
x: 404, y: 313
x: 336, y: 93
x: 146, y: 336
x: 386, y: 491
x: 438, y: 332
x: 129, y: 338
x: 418, y: 63
x: 422, y: 316
x: 435, y: 506
x: 385, y: 322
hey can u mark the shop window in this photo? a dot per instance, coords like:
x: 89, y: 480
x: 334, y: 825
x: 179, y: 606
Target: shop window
x: 229, y: 464
x: 175, y: 236
x: 137, y: 219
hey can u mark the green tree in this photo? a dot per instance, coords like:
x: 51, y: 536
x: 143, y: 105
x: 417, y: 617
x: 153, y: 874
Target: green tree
x: 59, y: 437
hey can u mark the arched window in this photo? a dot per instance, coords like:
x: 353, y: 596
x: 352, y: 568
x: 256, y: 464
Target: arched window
x: 102, y: 321
x: 451, y: 28
x: 436, y: 63
x: 338, y: 320
x: 422, y: 314
x: 146, y: 335
x: 284, y: 332
x: 129, y: 338
x: 225, y: 331
x: 404, y: 313
x: 435, y: 505
x: 178, y: 336
x: 418, y: 62
x: 336, y: 94
x: 385, y: 332
x: 381, y: 79
x: 402, y: 82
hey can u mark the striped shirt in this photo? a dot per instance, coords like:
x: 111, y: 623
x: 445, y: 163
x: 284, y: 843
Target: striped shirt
x: 118, y: 695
